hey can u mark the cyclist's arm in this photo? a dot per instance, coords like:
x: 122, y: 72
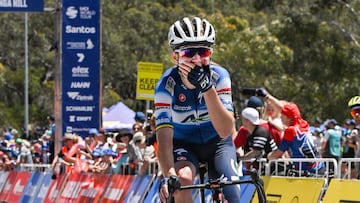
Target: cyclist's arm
x: 222, y: 119
x: 165, y: 150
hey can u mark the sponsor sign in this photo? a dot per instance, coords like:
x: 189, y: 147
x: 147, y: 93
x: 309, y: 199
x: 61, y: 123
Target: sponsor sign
x: 55, y: 188
x: 94, y: 188
x: 138, y: 188
x: 43, y: 188
x: 32, y: 187
x: 147, y: 76
x: 7, y: 185
x: 153, y: 194
x: 117, y: 188
x: 3, y: 177
x: 80, y: 67
x: 18, y: 186
x: 22, y: 5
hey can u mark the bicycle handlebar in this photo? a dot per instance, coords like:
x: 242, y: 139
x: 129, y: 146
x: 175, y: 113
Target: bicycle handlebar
x: 220, y: 183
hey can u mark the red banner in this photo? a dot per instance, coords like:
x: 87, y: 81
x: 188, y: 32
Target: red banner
x: 8, y: 185
x: 117, y: 189
x: 18, y: 186
x: 93, y: 188
x: 72, y: 188
x: 55, y: 188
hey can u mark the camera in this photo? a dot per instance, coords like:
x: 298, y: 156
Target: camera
x: 248, y: 91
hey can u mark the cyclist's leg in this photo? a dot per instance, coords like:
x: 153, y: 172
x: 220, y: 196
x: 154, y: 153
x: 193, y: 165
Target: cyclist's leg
x: 186, y: 168
x: 225, y: 164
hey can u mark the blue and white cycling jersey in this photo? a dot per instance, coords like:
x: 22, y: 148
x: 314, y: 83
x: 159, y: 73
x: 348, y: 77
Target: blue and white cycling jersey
x: 184, y: 109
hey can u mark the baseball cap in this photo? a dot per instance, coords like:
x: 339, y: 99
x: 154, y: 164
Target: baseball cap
x: 140, y: 116
x: 255, y: 102
x: 68, y: 136
x: 137, y: 136
x: 93, y: 131
x: 251, y: 114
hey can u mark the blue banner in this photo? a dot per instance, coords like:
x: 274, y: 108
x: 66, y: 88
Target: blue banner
x: 80, y: 67
x: 138, y: 188
x: 22, y: 5
x: 32, y: 187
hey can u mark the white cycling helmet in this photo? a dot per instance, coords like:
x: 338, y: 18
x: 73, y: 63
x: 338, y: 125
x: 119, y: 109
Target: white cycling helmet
x: 187, y: 31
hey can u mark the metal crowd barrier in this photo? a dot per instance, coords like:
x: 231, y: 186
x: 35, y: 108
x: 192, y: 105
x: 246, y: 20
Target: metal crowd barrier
x: 35, y: 167
x: 348, y: 163
x: 250, y: 164
x: 277, y: 167
x: 153, y: 168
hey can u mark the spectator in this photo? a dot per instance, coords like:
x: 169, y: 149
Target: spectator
x: 125, y: 136
x: 101, y: 141
x: 25, y: 155
x: 318, y: 138
x: 350, y: 146
x: 297, y: 139
x: 273, y: 116
x: 256, y: 103
x: 259, y: 142
x: 140, y: 117
x: 66, y: 157
x: 147, y: 152
x: 137, y: 127
x: 332, y: 141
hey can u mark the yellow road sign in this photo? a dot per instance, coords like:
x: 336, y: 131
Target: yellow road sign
x: 147, y: 76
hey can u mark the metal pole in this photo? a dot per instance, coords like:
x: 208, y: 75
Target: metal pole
x: 26, y: 113
x: 58, y: 83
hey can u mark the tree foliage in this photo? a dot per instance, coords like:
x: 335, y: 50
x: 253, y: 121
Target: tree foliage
x: 306, y: 51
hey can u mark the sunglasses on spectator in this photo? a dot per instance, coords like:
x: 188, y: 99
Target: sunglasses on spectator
x: 191, y: 51
x: 354, y: 112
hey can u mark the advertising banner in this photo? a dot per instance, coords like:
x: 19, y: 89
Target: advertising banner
x: 118, y: 187
x: 43, y: 188
x: 3, y: 177
x: 55, y: 189
x: 72, y: 188
x: 18, y: 186
x: 94, y: 188
x: 22, y: 5
x: 32, y: 187
x: 138, y: 188
x: 8, y: 185
x: 153, y: 194
x: 80, y: 66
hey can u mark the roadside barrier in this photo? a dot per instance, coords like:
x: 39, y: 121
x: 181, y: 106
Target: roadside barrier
x: 38, y: 186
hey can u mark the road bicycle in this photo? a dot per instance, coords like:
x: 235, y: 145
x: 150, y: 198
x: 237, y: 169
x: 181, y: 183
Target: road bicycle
x: 216, y: 187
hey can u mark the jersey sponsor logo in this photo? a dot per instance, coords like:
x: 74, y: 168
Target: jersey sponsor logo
x: 181, y: 158
x: 182, y: 97
x: 182, y: 108
x: 170, y: 84
x: 180, y: 151
x: 162, y: 120
x: 193, y: 118
x: 159, y: 106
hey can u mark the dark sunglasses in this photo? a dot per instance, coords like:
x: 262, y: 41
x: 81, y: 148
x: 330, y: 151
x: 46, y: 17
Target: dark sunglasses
x: 354, y: 112
x: 191, y: 51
